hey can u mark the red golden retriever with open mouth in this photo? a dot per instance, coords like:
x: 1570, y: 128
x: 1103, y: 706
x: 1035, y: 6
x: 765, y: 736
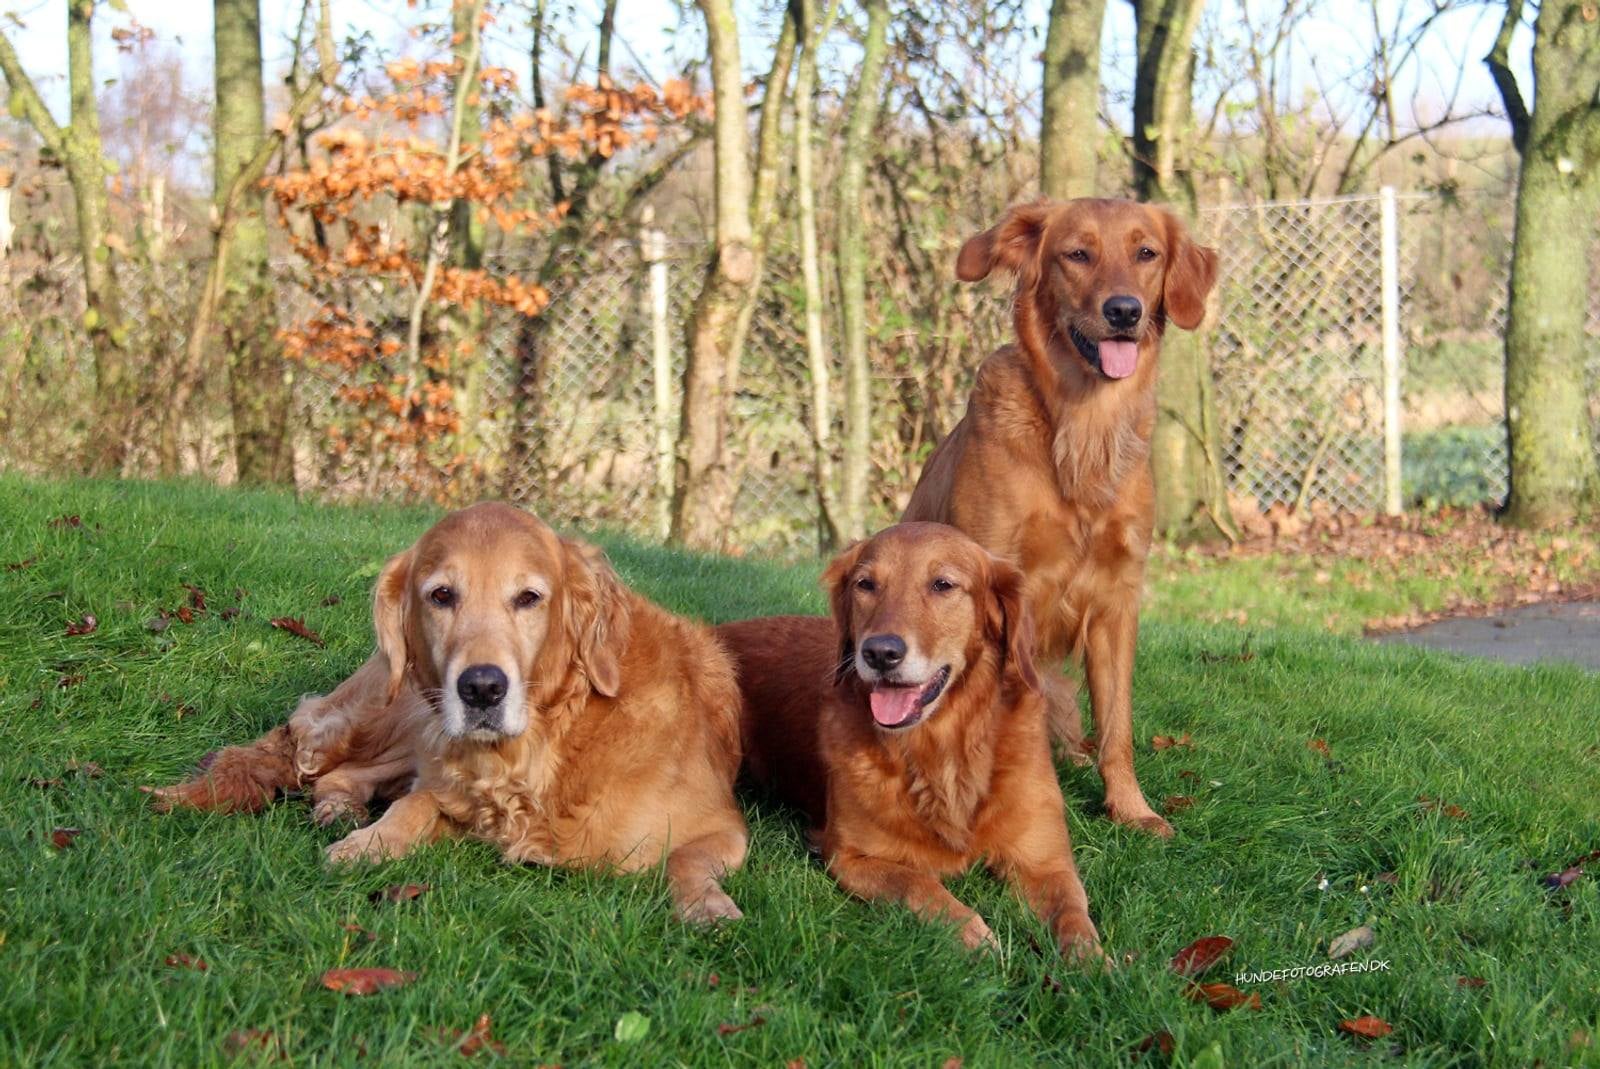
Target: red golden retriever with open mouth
x: 520, y: 694
x: 1050, y: 466
x: 910, y: 730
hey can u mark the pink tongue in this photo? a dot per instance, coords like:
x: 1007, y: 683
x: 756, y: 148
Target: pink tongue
x: 1118, y: 358
x: 893, y: 706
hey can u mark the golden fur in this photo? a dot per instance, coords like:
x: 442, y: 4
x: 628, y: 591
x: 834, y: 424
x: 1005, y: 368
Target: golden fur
x: 895, y: 810
x: 616, y: 743
x: 1050, y: 466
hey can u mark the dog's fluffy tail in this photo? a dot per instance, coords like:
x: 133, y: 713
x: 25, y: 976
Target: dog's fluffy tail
x: 239, y: 779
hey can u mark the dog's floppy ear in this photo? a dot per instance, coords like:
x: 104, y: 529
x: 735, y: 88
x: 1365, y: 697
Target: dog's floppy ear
x: 1191, y: 272
x: 596, y: 617
x: 836, y: 581
x: 390, y: 600
x: 1010, y: 624
x: 1011, y: 244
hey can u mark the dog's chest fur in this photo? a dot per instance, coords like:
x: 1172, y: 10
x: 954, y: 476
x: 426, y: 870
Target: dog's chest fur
x: 945, y: 782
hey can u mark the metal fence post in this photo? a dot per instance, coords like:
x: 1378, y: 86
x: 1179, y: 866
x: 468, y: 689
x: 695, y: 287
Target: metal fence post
x: 1390, y: 232
x: 654, y: 247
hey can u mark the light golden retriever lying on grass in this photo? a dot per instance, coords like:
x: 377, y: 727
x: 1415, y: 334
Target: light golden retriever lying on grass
x: 522, y: 695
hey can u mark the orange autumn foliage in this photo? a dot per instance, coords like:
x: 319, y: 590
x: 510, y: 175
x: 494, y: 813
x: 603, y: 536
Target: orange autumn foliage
x: 382, y: 174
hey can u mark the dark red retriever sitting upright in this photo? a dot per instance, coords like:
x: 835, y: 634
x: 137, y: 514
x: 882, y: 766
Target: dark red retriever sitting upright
x: 1050, y: 466
x: 910, y: 730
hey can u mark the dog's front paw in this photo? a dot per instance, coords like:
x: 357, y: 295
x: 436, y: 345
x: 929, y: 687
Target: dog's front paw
x: 338, y: 809
x: 1139, y: 816
x: 713, y: 907
x: 362, y: 845
x: 975, y: 935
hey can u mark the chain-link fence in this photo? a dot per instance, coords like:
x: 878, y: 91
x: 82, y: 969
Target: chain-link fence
x: 576, y: 411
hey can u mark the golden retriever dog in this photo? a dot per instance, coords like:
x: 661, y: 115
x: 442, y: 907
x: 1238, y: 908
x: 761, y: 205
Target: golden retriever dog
x: 524, y: 696
x: 911, y: 731
x: 1050, y: 466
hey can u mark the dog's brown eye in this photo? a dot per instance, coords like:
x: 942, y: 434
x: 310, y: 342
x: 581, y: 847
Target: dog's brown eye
x: 866, y: 584
x: 942, y: 585
x: 527, y: 599
x: 442, y: 596
x: 1077, y: 256
x: 1146, y: 253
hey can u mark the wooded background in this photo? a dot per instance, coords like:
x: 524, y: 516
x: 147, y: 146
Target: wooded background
x: 397, y: 268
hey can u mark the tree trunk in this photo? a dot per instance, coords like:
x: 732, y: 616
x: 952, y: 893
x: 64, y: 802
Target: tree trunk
x: 466, y: 240
x: 1069, y: 128
x: 259, y: 387
x: 704, y: 489
x: 852, y: 259
x: 818, y: 360
x: 1554, y: 477
x: 1191, y: 496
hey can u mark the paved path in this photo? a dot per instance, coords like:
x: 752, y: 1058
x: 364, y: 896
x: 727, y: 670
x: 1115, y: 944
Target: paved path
x: 1565, y: 631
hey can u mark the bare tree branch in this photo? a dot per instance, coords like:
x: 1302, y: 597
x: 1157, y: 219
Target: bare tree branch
x: 1499, y: 63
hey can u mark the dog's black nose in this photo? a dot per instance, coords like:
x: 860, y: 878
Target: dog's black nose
x: 883, y: 652
x: 1122, y: 313
x: 482, y: 686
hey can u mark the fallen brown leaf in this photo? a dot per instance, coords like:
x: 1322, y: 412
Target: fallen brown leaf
x: 1167, y: 742
x: 62, y: 838
x: 1161, y: 1041
x: 185, y: 614
x: 42, y: 783
x: 1173, y: 803
x: 1201, y: 955
x: 1386, y: 877
x: 251, y: 1040
x: 86, y: 769
x: 331, y: 600
x: 296, y: 626
x: 1557, y: 880
x: 62, y: 522
x: 1368, y: 1027
x: 1350, y: 942
x: 85, y: 626
x: 952, y: 1063
x: 726, y: 1029
x: 365, y: 981
x: 1320, y: 746
x: 1222, y: 997
x: 184, y: 961
x: 68, y: 681
x: 1470, y: 981
x: 400, y: 892
x: 1436, y: 805
x: 22, y: 564
x: 197, y: 597
x: 476, y: 1039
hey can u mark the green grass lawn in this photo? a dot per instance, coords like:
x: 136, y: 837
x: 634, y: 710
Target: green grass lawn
x: 1282, y: 848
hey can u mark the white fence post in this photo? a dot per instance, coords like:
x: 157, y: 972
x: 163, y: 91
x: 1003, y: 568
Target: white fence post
x: 1391, y: 350
x: 654, y: 246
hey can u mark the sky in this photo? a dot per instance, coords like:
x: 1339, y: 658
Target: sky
x: 1327, y: 46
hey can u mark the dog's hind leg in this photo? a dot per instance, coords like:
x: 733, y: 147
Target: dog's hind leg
x: 694, y: 873
x: 343, y: 793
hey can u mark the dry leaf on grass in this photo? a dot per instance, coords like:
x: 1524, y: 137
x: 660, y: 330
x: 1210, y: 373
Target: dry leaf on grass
x: 184, y: 961
x: 22, y: 565
x: 86, y: 626
x: 1174, y: 803
x: 726, y: 1029
x: 1167, y: 742
x: 400, y: 892
x: 60, y: 523
x: 365, y: 981
x: 1436, y: 805
x: 478, y: 1038
x: 296, y: 626
x: 62, y: 838
x: 1557, y: 880
x: 1161, y: 1041
x: 251, y: 1040
x: 1350, y: 942
x: 1320, y: 746
x: 1368, y: 1027
x: 1201, y: 955
x: 1222, y: 997
x: 1470, y: 981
